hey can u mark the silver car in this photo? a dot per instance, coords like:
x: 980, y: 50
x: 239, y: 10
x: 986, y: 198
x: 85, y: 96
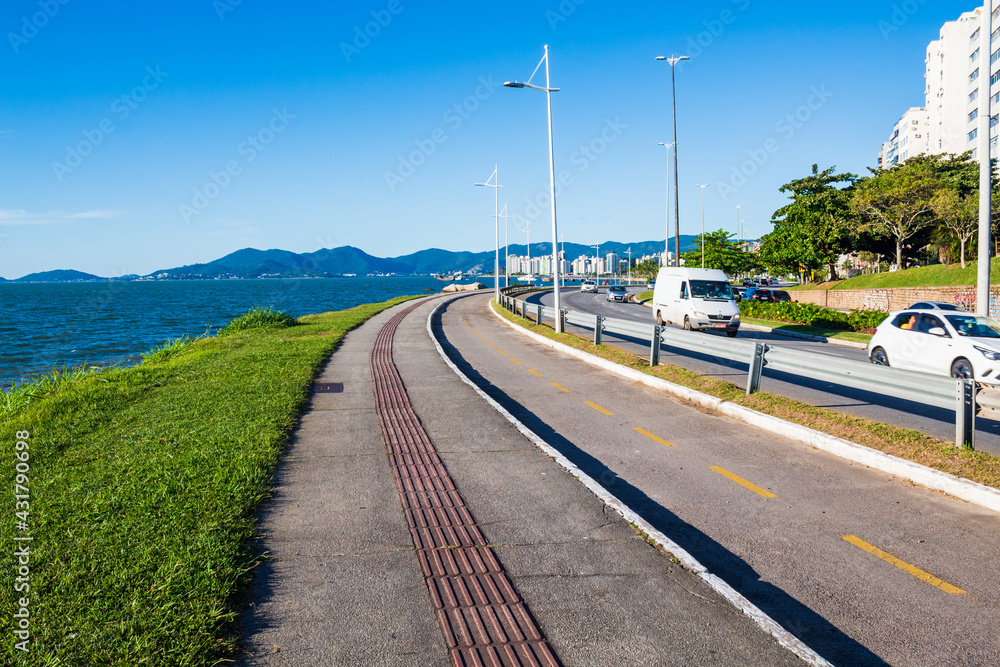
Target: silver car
x: 588, y: 286
x: 617, y: 293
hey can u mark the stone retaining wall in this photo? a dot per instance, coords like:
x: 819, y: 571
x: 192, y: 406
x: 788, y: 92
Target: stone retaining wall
x: 897, y: 298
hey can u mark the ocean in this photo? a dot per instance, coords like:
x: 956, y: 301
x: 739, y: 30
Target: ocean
x: 52, y: 325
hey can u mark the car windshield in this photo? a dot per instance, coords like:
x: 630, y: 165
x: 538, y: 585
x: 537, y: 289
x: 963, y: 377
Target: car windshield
x: 617, y: 289
x: 975, y: 326
x: 714, y: 290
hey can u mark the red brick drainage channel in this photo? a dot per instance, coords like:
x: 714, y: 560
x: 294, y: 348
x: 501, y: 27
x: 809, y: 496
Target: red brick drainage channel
x: 485, y: 621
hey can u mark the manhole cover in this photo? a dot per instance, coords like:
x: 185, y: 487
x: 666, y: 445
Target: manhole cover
x: 328, y: 387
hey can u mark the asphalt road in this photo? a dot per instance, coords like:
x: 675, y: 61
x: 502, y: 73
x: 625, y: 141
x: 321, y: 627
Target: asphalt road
x: 886, y: 409
x: 864, y: 568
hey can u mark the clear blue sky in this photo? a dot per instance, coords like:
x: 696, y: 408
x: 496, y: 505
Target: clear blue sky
x: 309, y: 128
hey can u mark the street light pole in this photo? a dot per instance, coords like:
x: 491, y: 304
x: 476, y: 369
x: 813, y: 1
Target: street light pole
x: 496, y: 227
x: 703, y: 186
x: 506, y: 244
x: 985, y: 169
x: 677, y: 210
x: 666, y: 244
x: 548, y: 89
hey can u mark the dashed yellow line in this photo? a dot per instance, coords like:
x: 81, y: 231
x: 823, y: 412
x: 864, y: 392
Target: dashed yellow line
x: 742, y: 482
x: 904, y: 566
x: 500, y: 351
x: 534, y: 372
x: 598, y: 408
x: 560, y: 387
x: 654, y: 438
x: 516, y: 361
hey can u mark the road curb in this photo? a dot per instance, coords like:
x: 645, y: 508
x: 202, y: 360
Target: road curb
x: 965, y: 489
x: 765, y: 622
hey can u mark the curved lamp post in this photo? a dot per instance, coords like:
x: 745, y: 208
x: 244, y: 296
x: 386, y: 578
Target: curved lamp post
x: 495, y: 177
x: 677, y: 209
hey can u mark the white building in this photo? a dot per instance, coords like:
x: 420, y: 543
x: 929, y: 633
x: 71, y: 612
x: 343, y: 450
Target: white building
x: 949, y: 120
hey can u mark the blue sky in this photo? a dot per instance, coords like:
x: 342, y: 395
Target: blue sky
x: 135, y: 137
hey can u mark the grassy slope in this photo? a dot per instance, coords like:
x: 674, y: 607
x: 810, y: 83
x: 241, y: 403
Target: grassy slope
x: 904, y: 443
x: 812, y: 331
x: 144, y: 483
x: 938, y: 275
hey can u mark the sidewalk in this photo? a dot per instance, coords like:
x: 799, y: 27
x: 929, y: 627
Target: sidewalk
x: 345, y: 585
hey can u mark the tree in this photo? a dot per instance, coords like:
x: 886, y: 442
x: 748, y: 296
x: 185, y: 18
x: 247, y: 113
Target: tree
x: 646, y: 269
x: 720, y: 253
x: 958, y: 214
x: 815, y: 228
x: 896, y: 202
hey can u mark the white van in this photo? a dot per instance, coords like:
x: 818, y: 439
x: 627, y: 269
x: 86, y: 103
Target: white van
x: 695, y: 299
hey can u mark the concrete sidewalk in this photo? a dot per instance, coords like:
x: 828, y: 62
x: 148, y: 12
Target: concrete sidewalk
x: 344, y: 585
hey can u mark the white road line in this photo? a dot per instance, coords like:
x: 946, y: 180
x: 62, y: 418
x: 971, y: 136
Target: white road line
x: 766, y: 623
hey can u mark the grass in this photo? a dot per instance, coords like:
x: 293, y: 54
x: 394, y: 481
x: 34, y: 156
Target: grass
x: 144, y: 484
x: 937, y: 275
x: 904, y: 443
x: 812, y: 331
x: 643, y: 297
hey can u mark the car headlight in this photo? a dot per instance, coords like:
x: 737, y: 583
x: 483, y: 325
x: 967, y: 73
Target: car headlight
x: 700, y: 314
x: 736, y: 316
x: 992, y: 355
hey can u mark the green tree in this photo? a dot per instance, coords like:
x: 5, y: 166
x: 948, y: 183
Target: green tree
x: 896, y: 202
x: 815, y: 228
x: 720, y: 253
x: 958, y: 214
x: 646, y: 269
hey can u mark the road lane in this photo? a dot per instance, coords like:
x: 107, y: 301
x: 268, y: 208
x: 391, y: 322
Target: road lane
x: 786, y: 553
x: 937, y: 422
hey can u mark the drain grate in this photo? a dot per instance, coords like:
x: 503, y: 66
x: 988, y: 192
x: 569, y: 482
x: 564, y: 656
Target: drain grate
x: 484, y: 619
x: 328, y: 387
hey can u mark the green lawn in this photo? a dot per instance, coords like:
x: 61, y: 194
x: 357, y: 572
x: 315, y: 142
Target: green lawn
x: 938, y: 275
x: 643, y: 297
x: 812, y: 331
x: 144, y: 484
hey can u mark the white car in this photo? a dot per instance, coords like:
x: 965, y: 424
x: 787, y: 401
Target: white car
x: 617, y: 293
x: 588, y: 286
x: 940, y: 342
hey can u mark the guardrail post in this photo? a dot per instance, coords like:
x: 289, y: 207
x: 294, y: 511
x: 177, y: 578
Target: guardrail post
x: 598, y: 329
x: 539, y: 321
x: 756, y: 367
x: 965, y: 413
x: 562, y: 319
x: 654, y: 348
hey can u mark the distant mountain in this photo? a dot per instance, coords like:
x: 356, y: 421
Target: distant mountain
x: 59, y: 276
x: 347, y: 260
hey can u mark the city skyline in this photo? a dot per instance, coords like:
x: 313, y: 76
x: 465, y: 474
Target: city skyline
x: 136, y: 138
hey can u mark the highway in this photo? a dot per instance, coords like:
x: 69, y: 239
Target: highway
x: 932, y: 421
x: 864, y: 568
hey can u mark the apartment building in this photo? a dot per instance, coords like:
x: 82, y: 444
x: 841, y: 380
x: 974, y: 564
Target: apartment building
x: 949, y: 120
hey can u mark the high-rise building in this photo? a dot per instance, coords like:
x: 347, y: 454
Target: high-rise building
x: 949, y: 120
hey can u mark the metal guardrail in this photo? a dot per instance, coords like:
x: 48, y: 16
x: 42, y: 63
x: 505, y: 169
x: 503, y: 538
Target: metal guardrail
x: 940, y: 392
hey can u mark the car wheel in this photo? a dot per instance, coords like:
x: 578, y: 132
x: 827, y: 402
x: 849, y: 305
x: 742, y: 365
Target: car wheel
x: 879, y: 357
x: 961, y: 368
x: 659, y: 319
x: 687, y: 323
x: 732, y: 334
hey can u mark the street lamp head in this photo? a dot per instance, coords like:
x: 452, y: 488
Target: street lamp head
x: 513, y: 84
x: 661, y: 57
x: 480, y: 185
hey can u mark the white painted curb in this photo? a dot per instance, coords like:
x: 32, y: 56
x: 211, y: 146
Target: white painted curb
x: 766, y: 623
x: 978, y: 494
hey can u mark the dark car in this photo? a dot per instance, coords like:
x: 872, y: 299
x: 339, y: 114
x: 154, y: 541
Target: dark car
x: 781, y: 296
x: 739, y: 293
x: 749, y: 283
x: 761, y: 295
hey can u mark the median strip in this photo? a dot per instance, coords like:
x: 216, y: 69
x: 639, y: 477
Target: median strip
x: 904, y: 566
x: 742, y: 482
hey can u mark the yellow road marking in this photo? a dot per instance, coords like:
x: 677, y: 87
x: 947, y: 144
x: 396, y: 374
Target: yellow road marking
x: 500, y: 351
x: 742, y: 482
x: 560, y: 387
x: 904, y: 566
x: 654, y: 438
x: 598, y: 408
x: 490, y: 344
x: 534, y: 372
x: 516, y: 361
